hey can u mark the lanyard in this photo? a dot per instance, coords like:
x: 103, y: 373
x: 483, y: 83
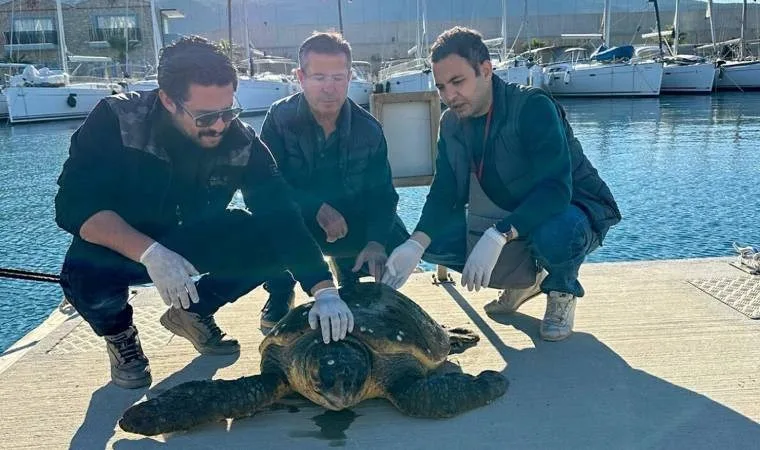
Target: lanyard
x: 479, y: 172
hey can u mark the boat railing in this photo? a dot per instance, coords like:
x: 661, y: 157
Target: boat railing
x: 415, y: 64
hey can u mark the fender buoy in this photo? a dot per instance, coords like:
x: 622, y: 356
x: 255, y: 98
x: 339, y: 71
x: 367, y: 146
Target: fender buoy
x: 71, y: 100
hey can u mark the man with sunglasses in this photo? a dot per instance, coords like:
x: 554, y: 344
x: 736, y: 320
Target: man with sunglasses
x: 145, y: 192
x: 334, y: 156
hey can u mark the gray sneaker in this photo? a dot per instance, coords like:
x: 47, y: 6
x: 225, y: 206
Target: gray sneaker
x: 129, y: 365
x: 559, y: 317
x: 202, y: 332
x: 511, y: 299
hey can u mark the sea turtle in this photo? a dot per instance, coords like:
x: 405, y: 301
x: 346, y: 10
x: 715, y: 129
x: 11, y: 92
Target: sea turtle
x: 393, y: 353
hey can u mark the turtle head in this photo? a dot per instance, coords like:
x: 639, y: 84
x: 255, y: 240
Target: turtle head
x: 338, y: 373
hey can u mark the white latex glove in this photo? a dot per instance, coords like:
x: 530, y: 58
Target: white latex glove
x: 482, y: 259
x: 332, y: 313
x: 171, y: 273
x: 402, y: 263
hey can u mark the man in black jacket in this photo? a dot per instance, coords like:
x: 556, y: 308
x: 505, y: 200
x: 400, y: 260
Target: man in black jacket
x: 334, y: 156
x: 513, y: 192
x: 145, y: 192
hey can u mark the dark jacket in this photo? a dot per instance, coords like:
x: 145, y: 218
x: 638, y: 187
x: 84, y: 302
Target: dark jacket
x: 538, y: 163
x: 365, y: 174
x: 116, y: 163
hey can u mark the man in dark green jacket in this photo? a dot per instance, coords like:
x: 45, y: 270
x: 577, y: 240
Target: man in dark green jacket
x: 334, y: 156
x: 513, y: 193
x: 144, y: 194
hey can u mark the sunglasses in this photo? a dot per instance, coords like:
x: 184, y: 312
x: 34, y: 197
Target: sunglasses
x: 206, y: 120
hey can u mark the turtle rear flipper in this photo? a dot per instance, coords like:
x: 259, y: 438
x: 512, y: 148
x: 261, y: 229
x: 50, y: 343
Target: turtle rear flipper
x: 196, y: 402
x: 461, y: 339
x: 447, y: 395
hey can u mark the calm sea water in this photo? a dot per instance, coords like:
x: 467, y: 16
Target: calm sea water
x: 685, y: 171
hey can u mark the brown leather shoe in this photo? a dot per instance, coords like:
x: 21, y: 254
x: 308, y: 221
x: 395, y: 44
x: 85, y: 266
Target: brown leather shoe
x: 511, y: 299
x: 202, y: 332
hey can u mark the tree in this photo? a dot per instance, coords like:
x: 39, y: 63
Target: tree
x: 535, y: 43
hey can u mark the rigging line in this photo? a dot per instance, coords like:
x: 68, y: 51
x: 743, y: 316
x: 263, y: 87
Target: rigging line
x: 638, y: 27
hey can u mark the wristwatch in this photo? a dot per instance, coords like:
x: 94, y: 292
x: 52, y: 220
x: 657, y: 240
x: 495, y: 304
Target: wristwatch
x: 509, y: 234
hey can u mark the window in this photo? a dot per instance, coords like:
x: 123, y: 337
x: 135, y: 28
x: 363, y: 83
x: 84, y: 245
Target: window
x: 107, y: 27
x: 32, y: 31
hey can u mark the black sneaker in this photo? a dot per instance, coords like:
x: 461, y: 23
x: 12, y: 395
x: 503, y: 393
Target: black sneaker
x: 276, y: 307
x: 129, y: 365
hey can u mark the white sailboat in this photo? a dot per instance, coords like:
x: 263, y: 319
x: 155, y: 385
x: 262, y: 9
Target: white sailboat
x: 414, y: 75
x: 38, y: 97
x: 682, y: 74
x: 255, y: 92
x: 742, y: 73
x: 360, y: 87
x: 510, y: 68
x: 609, y: 73
x: 6, y: 70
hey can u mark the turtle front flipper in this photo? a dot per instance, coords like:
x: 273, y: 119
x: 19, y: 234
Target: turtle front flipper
x: 196, y: 402
x: 460, y: 339
x: 447, y: 395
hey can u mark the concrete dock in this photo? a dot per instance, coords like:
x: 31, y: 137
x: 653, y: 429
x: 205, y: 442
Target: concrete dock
x: 655, y: 363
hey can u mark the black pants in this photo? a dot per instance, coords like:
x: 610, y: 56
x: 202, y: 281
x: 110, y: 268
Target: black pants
x: 230, y: 247
x: 343, y: 252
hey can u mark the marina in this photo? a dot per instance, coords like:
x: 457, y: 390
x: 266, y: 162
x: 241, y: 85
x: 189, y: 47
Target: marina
x: 664, y: 351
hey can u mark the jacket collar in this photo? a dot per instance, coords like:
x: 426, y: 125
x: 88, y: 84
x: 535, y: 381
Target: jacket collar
x: 499, y: 102
x: 306, y: 123
x: 305, y: 116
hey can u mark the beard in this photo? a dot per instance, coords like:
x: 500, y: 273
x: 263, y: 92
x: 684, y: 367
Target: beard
x: 210, y: 133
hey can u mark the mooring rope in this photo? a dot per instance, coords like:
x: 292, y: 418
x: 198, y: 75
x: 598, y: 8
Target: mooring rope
x: 29, y: 276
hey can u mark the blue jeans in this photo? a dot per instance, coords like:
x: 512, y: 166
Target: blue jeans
x: 559, y: 245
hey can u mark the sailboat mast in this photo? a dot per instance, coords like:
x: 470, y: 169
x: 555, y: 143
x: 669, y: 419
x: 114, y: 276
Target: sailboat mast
x: 424, y: 37
x: 229, y: 27
x: 418, y: 44
x: 158, y: 36
x: 659, y: 29
x: 741, y: 32
x: 712, y: 26
x: 61, y: 37
x: 126, y: 37
x: 247, y: 40
x: 504, y: 28
x: 607, y: 23
x: 675, y: 30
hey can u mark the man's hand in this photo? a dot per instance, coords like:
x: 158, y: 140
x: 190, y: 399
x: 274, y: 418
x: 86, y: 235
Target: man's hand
x: 171, y: 273
x: 332, y: 222
x: 482, y: 259
x: 332, y: 314
x: 374, y: 255
x: 402, y: 262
